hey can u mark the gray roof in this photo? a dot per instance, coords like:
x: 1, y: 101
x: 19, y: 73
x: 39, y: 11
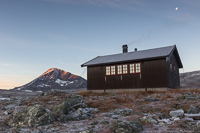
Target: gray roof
x: 132, y: 56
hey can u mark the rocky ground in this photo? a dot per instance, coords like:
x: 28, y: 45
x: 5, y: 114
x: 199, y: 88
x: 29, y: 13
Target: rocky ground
x: 59, y: 111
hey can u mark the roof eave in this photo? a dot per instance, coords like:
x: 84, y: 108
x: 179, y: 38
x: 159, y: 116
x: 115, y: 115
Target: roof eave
x: 119, y: 62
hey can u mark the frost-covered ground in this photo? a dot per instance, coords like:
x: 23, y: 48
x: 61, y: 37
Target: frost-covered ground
x: 151, y: 109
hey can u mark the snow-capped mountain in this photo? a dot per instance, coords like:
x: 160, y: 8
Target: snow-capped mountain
x: 55, y: 78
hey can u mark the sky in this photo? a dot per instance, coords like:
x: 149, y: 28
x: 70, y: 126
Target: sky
x: 36, y: 35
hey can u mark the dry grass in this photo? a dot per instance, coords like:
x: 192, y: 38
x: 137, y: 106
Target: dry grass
x: 136, y: 101
x: 88, y: 93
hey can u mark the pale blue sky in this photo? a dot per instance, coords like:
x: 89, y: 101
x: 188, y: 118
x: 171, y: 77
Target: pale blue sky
x: 36, y: 35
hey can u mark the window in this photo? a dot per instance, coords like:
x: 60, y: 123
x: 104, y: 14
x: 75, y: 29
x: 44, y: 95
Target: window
x: 174, y: 68
x: 137, y: 68
x: 132, y: 68
x: 108, y: 70
x: 125, y: 70
x: 171, y: 67
x: 119, y: 69
x: 112, y: 70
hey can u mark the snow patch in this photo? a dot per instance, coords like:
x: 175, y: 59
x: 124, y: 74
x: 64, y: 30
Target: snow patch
x: 19, y: 89
x: 28, y: 90
x: 43, y: 85
x: 63, y: 83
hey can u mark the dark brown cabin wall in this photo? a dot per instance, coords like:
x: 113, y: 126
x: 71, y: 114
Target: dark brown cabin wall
x: 95, y: 78
x: 173, y: 75
x: 154, y: 74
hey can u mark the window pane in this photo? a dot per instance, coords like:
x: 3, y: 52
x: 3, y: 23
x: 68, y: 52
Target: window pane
x: 108, y: 70
x: 171, y: 67
x: 137, y: 67
x: 112, y: 70
x: 132, y: 69
x: 119, y: 69
x: 125, y: 69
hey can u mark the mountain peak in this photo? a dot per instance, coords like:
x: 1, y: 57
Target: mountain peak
x: 55, y: 78
x: 53, y: 72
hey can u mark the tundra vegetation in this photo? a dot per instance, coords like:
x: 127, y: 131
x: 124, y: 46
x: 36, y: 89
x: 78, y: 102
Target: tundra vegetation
x: 59, y: 111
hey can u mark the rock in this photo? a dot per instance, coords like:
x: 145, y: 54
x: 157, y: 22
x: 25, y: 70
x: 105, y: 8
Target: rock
x: 191, y: 97
x: 149, y: 119
x: 192, y: 110
x: 152, y: 99
x: 118, y: 112
x: 31, y: 117
x: 14, y: 103
x: 81, y: 114
x: 6, y: 99
x: 194, y: 116
x: 177, y: 119
x: 177, y: 113
x: 7, y: 112
x: 70, y: 103
x: 123, y: 112
x: 188, y: 119
x: 198, y: 124
x: 61, y: 109
x: 79, y: 105
x: 164, y: 121
x: 115, y: 116
x: 127, y: 127
x: 187, y: 95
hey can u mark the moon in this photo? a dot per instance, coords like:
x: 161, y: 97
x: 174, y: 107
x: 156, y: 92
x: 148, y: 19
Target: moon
x: 176, y: 8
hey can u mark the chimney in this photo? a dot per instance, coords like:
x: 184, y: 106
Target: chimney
x: 125, y: 48
x: 135, y: 49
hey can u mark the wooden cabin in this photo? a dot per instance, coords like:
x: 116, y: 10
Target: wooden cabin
x: 145, y: 69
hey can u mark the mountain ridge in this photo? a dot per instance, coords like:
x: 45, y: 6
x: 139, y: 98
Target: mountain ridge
x: 190, y: 79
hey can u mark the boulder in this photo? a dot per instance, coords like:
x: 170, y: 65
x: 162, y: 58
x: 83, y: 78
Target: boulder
x: 31, y: 117
x: 73, y: 108
x: 123, y: 112
x: 194, y: 116
x: 188, y: 119
x: 70, y: 103
x: 193, y: 110
x: 177, y: 113
x: 81, y: 114
x: 127, y: 127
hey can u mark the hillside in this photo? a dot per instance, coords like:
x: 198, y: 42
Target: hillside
x: 54, y: 78
x: 190, y: 79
